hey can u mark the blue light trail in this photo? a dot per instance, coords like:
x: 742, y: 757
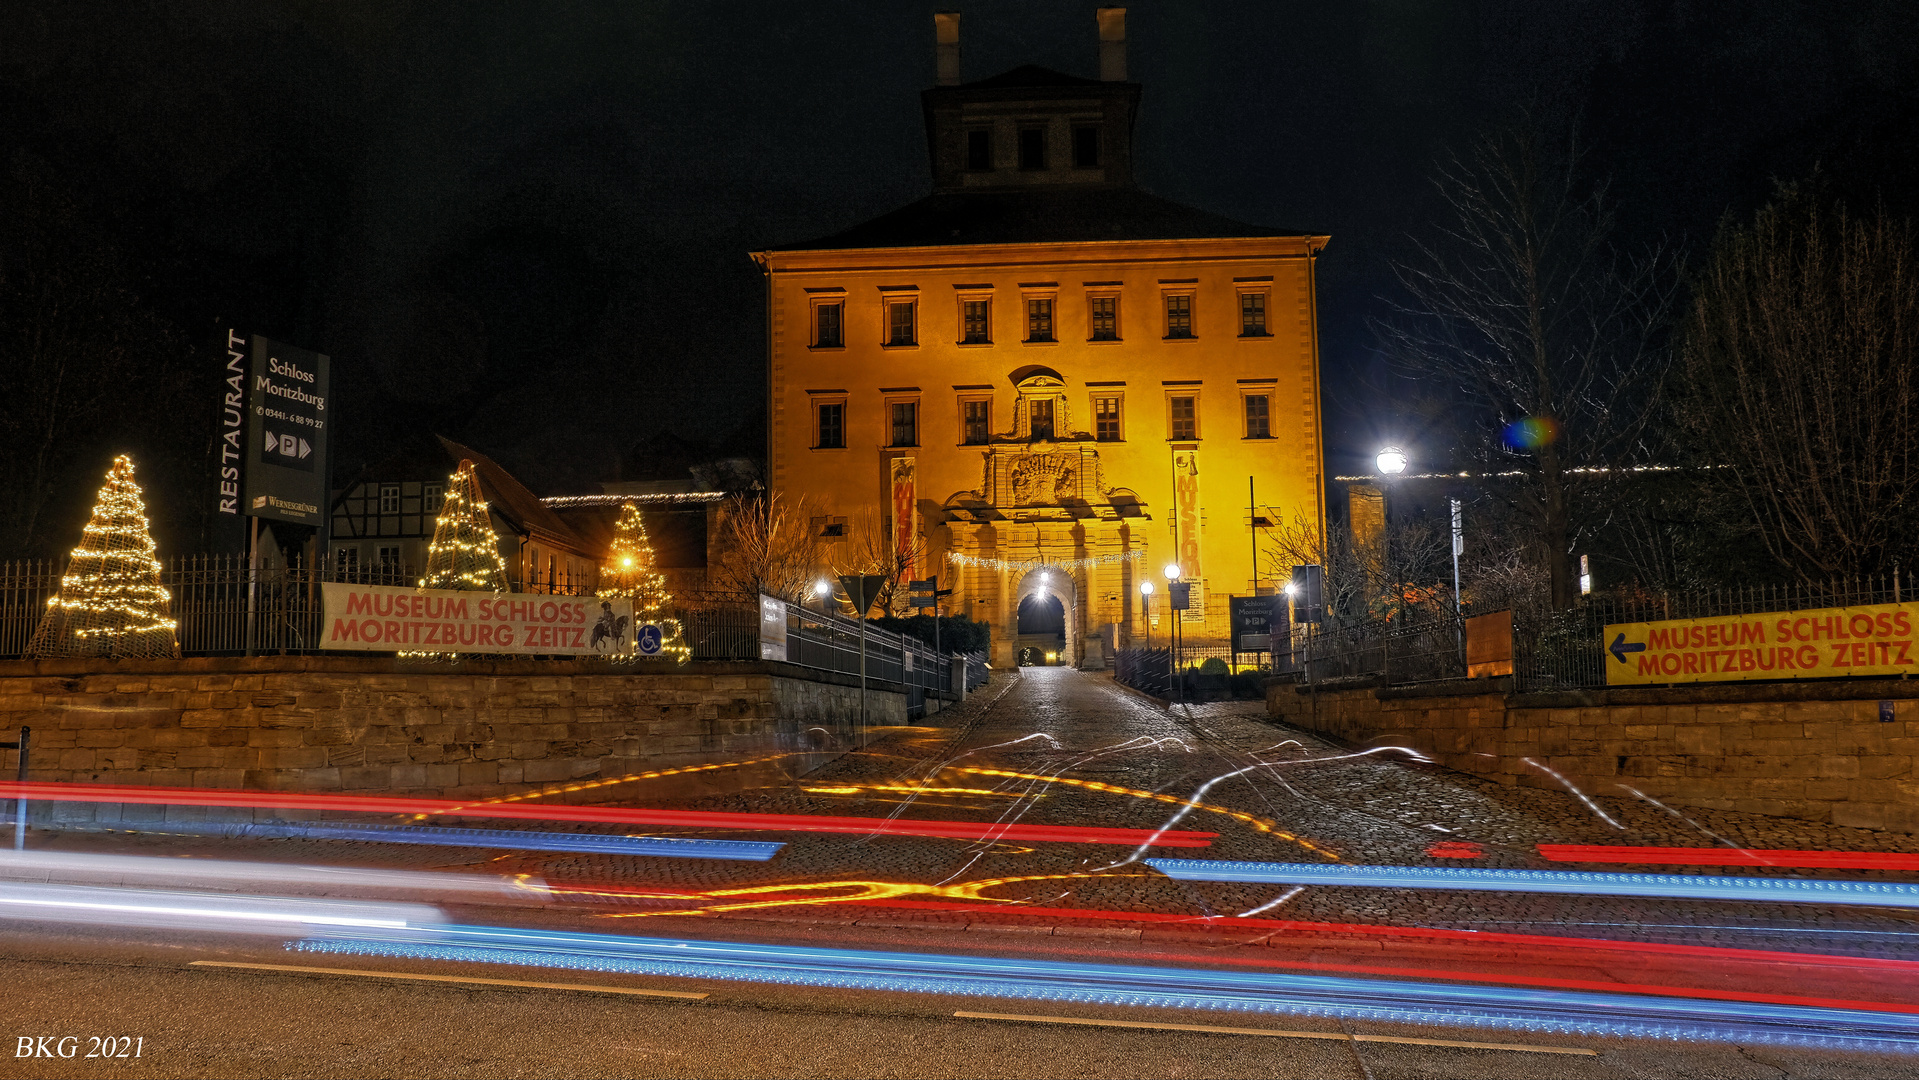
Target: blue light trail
x: 1778, y: 890
x: 1382, y: 1000
x: 666, y: 846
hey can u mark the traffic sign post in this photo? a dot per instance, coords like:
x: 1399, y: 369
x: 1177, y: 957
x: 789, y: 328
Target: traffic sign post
x: 648, y: 639
x: 862, y: 589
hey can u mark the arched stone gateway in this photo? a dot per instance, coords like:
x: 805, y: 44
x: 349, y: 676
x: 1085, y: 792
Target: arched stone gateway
x: 1045, y: 583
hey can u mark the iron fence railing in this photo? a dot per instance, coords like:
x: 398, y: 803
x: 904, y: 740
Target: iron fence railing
x: 211, y: 605
x: 1150, y: 671
x: 1555, y: 650
x: 1566, y: 650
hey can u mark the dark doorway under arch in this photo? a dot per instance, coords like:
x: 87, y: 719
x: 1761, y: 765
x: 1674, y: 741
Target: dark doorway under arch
x: 1042, y: 630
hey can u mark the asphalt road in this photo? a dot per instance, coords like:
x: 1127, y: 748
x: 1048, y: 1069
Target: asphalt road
x: 200, y: 1021
x: 189, y: 1018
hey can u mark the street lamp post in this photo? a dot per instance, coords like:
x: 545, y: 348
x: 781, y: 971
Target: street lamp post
x: 1172, y: 577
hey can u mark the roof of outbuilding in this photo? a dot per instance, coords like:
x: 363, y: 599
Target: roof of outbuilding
x: 1037, y: 215
x: 1029, y: 75
x: 422, y: 457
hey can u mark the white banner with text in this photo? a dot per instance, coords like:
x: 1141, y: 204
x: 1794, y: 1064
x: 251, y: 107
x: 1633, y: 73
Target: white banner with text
x: 376, y: 618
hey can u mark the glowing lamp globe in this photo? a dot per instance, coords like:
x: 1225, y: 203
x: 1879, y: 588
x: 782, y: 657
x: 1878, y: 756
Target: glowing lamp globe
x: 1391, y: 461
x: 823, y: 588
x: 1146, y: 588
x: 1172, y: 571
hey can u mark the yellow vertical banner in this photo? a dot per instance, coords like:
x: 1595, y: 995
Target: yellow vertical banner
x: 1186, y: 514
x: 906, y: 517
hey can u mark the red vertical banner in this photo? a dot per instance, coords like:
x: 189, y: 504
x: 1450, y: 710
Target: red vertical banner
x: 1186, y: 513
x: 906, y: 517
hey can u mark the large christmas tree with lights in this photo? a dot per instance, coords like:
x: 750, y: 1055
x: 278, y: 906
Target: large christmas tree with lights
x: 631, y: 570
x: 465, y: 552
x: 111, y: 602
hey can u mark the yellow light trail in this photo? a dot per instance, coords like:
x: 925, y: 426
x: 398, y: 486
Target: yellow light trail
x: 867, y: 892
x: 1261, y: 824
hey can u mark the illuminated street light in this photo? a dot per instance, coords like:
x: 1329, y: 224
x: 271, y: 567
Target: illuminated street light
x: 1391, y: 461
x: 823, y: 588
x: 1146, y: 588
x: 1291, y: 589
x: 1172, y: 571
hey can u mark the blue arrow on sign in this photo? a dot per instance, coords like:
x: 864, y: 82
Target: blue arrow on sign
x: 1619, y: 648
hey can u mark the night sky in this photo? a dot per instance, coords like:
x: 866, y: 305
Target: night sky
x: 526, y: 225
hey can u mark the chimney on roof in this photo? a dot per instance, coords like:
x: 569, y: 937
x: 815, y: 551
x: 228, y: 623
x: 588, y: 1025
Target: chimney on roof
x: 946, y: 46
x: 1112, y: 44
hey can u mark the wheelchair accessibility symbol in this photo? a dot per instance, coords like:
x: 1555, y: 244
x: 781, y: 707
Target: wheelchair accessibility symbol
x: 649, y: 639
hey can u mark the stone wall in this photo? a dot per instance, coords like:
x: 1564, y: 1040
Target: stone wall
x: 475, y: 729
x: 1816, y: 751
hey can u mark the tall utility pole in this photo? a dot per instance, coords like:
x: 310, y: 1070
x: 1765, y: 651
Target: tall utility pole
x: 1459, y: 545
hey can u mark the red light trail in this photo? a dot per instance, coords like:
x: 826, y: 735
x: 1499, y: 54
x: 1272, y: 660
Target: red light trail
x: 687, y: 819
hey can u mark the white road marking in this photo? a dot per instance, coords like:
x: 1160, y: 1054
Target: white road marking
x: 1337, y: 1036
x: 448, y: 979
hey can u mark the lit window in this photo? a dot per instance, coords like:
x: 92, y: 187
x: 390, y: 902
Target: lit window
x: 389, y: 498
x: 1086, y: 148
x: 1039, y: 320
x: 979, y: 151
x: 1185, y: 418
x: 1105, y: 318
x: 832, y: 426
x: 1106, y: 419
x: 906, y: 423
x: 978, y: 417
x: 899, y: 323
x: 1252, y: 314
x: 1258, y: 416
x: 389, y: 556
x: 1179, y: 316
x: 827, y: 334
x: 1041, y: 412
x: 973, y: 317
x: 1032, y: 148
x: 433, y: 497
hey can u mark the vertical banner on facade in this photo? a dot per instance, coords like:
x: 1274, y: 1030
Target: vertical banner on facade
x: 1186, y: 513
x: 906, y: 517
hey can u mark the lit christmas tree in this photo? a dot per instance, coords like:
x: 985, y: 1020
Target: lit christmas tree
x: 465, y: 553
x: 632, y: 571
x: 111, y: 602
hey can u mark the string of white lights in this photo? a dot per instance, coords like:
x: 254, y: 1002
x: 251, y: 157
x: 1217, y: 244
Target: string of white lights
x: 1019, y: 566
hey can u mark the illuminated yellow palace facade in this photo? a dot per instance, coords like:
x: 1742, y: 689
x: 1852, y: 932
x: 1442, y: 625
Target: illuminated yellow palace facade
x: 1045, y: 380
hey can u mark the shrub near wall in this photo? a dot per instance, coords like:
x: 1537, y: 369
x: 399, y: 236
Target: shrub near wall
x: 1815, y: 751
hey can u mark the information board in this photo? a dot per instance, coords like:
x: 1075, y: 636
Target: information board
x: 378, y: 618
x: 1823, y: 643
x: 289, y: 423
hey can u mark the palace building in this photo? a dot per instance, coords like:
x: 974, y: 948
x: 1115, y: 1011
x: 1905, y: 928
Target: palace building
x: 1046, y: 382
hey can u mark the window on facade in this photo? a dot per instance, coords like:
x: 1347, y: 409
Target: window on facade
x: 1185, y: 418
x: 1105, y: 318
x: 1039, y: 320
x: 552, y: 570
x: 899, y: 323
x: 346, y: 559
x: 389, y: 556
x: 432, y: 498
x: 389, y: 498
x: 1106, y: 419
x: 906, y: 423
x: 974, y: 322
x: 979, y: 151
x: 978, y: 417
x: 827, y: 332
x: 832, y: 425
x: 1179, y: 316
x: 1252, y: 314
x: 1032, y: 148
x: 1259, y: 412
x: 1086, y: 148
x: 1041, y: 413
x: 834, y: 529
